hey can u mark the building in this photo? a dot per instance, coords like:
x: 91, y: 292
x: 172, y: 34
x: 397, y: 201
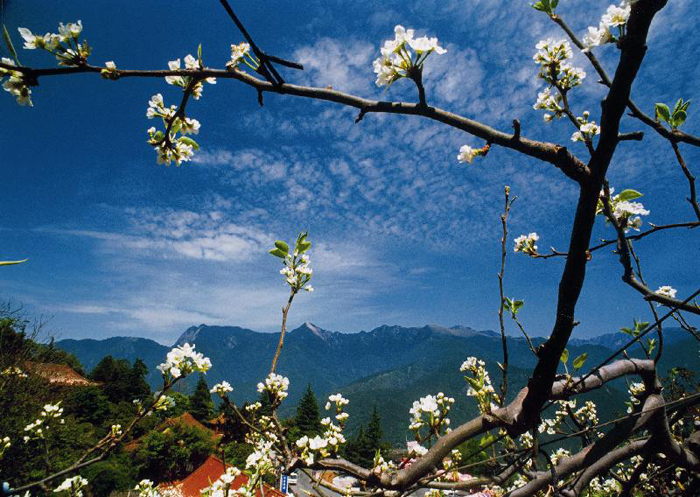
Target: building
x: 210, y: 471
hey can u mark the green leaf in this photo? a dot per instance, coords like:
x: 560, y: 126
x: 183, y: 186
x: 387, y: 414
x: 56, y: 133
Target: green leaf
x: 539, y: 6
x: 474, y: 383
x: 507, y: 304
x: 554, y: 4
x: 628, y: 331
x: 158, y: 136
x: 640, y: 325
x: 282, y: 246
x: 517, y: 304
x: 662, y: 112
x: 278, y: 253
x: 685, y: 106
x: 628, y: 195
x: 303, y: 247
x: 565, y: 356
x: 12, y: 263
x: 10, y: 46
x: 678, y: 119
x: 486, y: 440
x: 189, y: 141
x: 580, y: 360
x: 199, y: 55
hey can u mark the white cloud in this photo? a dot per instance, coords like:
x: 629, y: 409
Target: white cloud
x: 345, y: 65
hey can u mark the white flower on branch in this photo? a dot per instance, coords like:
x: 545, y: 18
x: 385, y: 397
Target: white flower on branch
x: 16, y: 84
x: 182, y: 361
x: 526, y: 244
x: 222, y: 388
x: 397, y: 60
x: 615, y: 17
x: 74, y: 486
x: 276, y: 385
x: 666, y: 291
x: 63, y: 45
x: 191, y: 64
x: 587, y: 129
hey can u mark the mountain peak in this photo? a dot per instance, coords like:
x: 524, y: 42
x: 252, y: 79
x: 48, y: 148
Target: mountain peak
x: 189, y: 335
x: 311, y: 329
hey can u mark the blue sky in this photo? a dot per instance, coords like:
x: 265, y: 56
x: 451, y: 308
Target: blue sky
x: 404, y: 234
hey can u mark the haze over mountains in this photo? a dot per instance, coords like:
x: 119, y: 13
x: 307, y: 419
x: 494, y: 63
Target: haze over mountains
x: 389, y: 366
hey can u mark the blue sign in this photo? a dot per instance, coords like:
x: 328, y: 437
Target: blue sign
x: 284, y: 481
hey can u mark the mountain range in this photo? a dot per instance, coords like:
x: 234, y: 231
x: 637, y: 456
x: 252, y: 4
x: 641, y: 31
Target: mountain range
x: 389, y: 366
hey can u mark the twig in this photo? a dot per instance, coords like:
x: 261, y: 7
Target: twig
x: 504, y: 225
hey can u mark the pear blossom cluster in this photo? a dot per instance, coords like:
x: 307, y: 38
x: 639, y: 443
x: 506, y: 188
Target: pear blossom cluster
x: 145, y: 489
x: 337, y: 402
x: 559, y: 455
x: 479, y: 384
x: 262, y: 460
x: 636, y: 390
x: 312, y: 448
x: 241, y: 53
x: 666, y: 291
x: 184, y: 82
x: 431, y: 412
x: 183, y: 360
x: 64, y: 45
x: 526, y: 244
x: 551, y: 103
x: 221, y: 389
x: 334, y: 433
x: 415, y: 449
x: 222, y: 486
x: 566, y: 409
x: 276, y: 385
x: 171, y: 147
x: 614, y: 19
x: 552, y: 56
x: 15, y: 85
x: 296, y: 270
x: 116, y: 430
x: 587, y: 129
x: 74, y: 486
x: 50, y: 414
x: 401, y: 55
x: 163, y: 403
x: 626, y: 213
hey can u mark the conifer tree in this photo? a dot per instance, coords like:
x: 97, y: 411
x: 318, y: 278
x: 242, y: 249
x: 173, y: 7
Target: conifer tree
x: 201, y: 405
x: 308, y: 419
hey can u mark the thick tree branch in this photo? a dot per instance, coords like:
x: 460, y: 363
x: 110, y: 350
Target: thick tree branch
x: 554, y: 154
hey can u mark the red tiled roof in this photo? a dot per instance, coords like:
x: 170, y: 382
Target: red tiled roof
x: 208, y: 473
x: 58, y: 374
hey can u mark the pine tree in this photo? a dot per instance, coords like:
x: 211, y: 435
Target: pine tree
x: 139, y: 387
x: 308, y: 419
x: 374, y: 430
x: 201, y: 405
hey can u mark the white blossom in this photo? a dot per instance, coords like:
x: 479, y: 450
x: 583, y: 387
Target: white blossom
x: 182, y: 361
x: 526, y: 244
x: 222, y: 388
x: 73, y: 486
x: 467, y: 154
x: 666, y: 291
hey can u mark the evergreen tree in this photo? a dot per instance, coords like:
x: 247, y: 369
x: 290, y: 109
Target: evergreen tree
x: 374, y: 430
x: 140, y: 388
x: 201, y: 405
x: 115, y: 377
x: 308, y: 419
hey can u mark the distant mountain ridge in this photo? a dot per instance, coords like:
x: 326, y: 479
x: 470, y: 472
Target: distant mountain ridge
x: 389, y: 365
